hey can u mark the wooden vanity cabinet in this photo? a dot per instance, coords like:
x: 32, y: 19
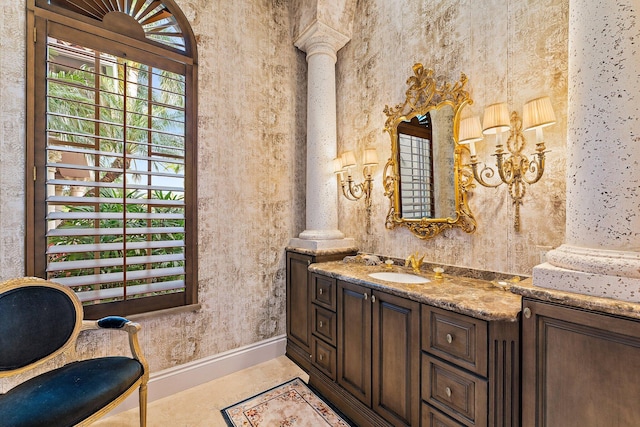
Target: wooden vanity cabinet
x: 384, y: 360
x: 299, y: 314
x: 378, y: 352
x: 580, y: 368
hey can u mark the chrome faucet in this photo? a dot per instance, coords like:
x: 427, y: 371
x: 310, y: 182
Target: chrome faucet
x: 415, y: 262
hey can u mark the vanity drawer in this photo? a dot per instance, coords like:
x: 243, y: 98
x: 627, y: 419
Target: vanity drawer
x: 433, y: 418
x: 324, y: 325
x: 455, y: 337
x: 324, y: 357
x: 457, y: 393
x: 323, y: 291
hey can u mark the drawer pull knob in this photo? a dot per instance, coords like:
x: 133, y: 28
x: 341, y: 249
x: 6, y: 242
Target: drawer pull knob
x: 449, y: 338
x: 448, y: 391
x: 321, y: 357
x: 373, y: 298
x: 321, y: 324
x: 320, y: 291
x: 366, y: 296
x: 527, y: 312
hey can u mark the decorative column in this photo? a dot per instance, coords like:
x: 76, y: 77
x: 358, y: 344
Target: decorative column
x: 601, y: 256
x: 321, y: 44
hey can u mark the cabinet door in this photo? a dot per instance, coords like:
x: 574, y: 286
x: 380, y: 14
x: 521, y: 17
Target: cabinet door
x: 396, y: 359
x: 298, y: 300
x: 580, y: 368
x: 354, y: 340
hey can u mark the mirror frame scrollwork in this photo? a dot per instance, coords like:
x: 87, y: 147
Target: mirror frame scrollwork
x: 422, y: 96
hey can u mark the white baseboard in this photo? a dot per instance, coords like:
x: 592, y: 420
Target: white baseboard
x: 179, y: 378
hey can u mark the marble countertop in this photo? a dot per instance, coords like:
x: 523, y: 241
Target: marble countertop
x: 587, y: 302
x: 478, y: 298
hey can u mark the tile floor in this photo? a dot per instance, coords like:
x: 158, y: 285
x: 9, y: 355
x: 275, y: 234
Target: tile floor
x: 200, y: 406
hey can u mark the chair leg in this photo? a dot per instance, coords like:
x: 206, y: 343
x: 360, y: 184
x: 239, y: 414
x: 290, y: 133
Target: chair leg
x: 143, y: 404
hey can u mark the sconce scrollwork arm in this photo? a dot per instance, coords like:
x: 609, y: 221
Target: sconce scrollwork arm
x: 351, y: 190
x: 513, y: 168
x: 354, y: 192
x: 535, y: 167
x: 486, y: 172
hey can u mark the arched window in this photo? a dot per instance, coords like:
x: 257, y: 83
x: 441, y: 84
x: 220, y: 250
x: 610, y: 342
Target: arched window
x: 112, y: 145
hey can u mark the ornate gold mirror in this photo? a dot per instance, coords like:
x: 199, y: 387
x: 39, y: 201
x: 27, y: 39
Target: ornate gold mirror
x: 424, y: 178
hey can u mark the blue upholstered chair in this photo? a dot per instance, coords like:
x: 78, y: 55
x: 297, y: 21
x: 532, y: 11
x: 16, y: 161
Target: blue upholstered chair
x: 38, y: 321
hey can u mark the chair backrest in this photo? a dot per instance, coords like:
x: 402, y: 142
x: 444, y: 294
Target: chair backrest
x: 38, y: 320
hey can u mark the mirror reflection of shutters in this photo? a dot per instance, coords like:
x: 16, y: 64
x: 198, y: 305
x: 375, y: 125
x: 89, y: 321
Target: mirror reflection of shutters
x: 416, y: 168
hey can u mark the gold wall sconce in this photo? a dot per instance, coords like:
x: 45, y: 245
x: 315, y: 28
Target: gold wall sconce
x: 514, y: 169
x: 343, y: 165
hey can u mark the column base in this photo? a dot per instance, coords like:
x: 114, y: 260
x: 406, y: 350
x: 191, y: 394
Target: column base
x: 321, y: 235
x: 327, y: 244
x: 597, y: 261
x: 598, y: 285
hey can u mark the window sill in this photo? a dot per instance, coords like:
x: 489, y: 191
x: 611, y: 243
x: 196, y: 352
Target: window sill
x: 167, y: 311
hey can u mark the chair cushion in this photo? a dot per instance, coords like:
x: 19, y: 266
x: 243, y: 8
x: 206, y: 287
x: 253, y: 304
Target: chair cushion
x: 68, y: 395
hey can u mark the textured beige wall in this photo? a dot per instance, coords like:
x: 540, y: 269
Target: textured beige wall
x: 252, y: 153
x: 251, y: 157
x: 512, y: 51
x: 12, y: 137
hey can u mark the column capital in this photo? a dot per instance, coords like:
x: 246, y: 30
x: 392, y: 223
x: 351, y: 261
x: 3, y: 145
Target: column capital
x: 321, y: 38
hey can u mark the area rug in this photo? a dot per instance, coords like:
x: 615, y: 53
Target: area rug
x: 290, y: 404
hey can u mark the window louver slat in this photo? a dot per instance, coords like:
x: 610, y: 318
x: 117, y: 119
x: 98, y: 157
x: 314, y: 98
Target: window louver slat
x: 103, y: 247
x: 67, y: 232
x: 104, y: 200
x: 96, y: 279
x: 107, y: 215
x: 112, y: 262
x: 113, y: 293
x: 69, y: 182
x: 152, y: 158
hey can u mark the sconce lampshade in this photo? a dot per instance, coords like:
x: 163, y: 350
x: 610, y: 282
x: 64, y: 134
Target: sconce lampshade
x: 370, y: 157
x: 538, y: 113
x: 348, y: 159
x: 496, y: 119
x: 470, y: 130
x: 337, y: 165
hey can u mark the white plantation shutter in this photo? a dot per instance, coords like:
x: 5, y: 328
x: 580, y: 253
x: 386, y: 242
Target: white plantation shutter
x: 115, y: 186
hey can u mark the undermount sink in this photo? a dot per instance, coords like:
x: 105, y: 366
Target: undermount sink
x: 392, y: 276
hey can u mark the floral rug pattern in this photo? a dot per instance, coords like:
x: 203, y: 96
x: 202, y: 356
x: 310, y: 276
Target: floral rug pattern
x: 287, y: 405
